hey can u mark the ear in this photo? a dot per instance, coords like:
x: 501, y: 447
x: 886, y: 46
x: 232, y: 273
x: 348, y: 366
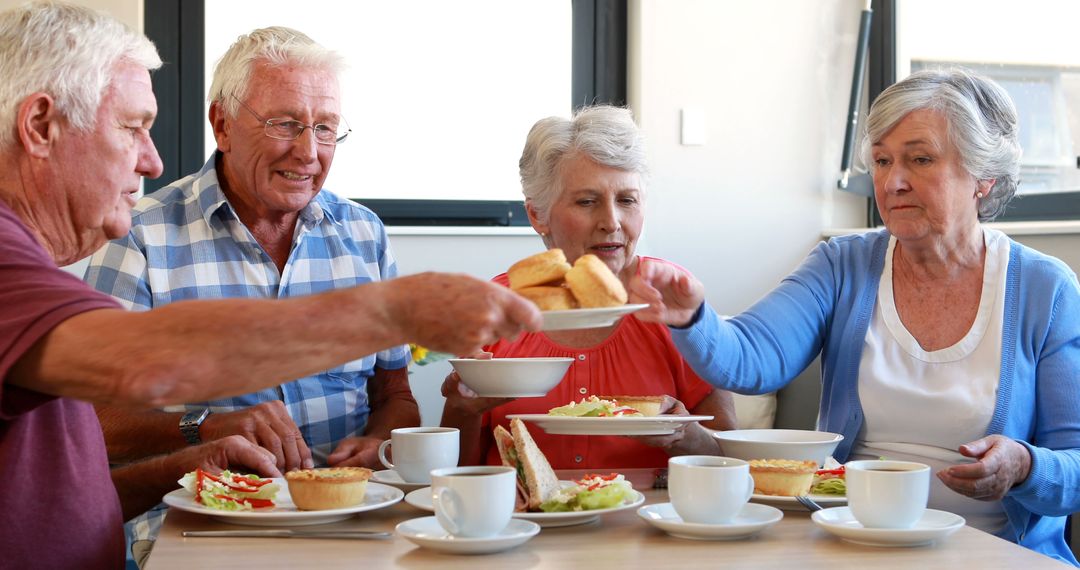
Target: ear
x: 984, y: 186
x: 217, y: 124
x: 38, y: 124
x: 530, y: 210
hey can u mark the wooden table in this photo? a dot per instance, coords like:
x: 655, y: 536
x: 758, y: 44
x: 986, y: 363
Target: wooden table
x: 618, y: 541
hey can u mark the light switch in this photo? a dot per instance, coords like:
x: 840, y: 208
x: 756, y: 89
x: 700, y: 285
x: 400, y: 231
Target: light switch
x: 693, y: 126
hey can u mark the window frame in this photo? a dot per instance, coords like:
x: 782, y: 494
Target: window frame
x: 598, y: 75
x: 1057, y: 206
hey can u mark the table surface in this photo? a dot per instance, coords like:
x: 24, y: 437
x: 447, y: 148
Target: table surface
x: 620, y: 540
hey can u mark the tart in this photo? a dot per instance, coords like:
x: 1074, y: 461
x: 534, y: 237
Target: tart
x: 327, y: 488
x: 784, y: 477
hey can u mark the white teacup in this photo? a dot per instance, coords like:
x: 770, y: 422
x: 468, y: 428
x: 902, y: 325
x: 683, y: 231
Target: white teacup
x: 887, y: 494
x: 474, y: 501
x: 418, y: 450
x: 707, y: 489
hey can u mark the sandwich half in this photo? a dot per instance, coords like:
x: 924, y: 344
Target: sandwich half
x: 536, y: 479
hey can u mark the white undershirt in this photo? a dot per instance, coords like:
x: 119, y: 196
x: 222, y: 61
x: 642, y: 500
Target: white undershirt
x: 921, y: 406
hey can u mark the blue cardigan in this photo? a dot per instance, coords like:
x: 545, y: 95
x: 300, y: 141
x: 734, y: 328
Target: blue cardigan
x: 825, y: 307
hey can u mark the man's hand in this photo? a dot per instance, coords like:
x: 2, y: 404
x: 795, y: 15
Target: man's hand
x: 1002, y: 464
x: 233, y: 452
x: 469, y: 313
x: 268, y: 425
x: 673, y: 295
x: 360, y: 451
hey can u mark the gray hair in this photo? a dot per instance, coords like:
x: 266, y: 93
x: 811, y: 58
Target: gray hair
x: 69, y: 52
x: 605, y: 134
x: 276, y: 45
x: 981, y: 123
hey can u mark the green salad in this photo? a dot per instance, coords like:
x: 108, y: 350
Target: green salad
x: 591, y: 493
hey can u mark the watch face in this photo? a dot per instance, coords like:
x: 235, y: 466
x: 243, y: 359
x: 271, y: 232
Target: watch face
x: 189, y: 425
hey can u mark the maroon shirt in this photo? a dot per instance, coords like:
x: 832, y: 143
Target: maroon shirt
x: 58, y: 506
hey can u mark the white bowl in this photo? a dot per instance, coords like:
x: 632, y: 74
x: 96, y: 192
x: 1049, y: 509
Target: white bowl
x: 511, y: 377
x: 778, y: 444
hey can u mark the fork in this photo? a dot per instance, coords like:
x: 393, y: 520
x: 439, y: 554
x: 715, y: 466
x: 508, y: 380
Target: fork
x: 807, y: 502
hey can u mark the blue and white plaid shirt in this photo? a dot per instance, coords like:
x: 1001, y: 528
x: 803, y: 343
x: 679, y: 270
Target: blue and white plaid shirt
x: 186, y: 242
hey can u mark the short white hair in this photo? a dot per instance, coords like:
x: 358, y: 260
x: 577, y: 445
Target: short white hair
x: 69, y: 52
x: 603, y: 133
x: 275, y: 45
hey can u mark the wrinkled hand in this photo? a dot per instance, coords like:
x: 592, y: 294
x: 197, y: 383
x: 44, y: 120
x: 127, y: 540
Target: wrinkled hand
x: 462, y: 399
x: 470, y: 313
x: 673, y: 295
x: 1002, y: 464
x: 673, y: 407
x: 233, y: 452
x: 268, y: 425
x: 360, y: 451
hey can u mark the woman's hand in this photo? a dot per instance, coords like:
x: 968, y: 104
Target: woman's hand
x: 673, y: 294
x: 462, y: 399
x: 1001, y: 464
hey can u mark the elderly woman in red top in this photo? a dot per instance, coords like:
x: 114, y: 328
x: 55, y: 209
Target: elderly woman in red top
x: 584, y: 186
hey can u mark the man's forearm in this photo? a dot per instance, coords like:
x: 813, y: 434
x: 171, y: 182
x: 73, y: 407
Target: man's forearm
x: 392, y: 403
x: 134, y: 435
x: 141, y: 485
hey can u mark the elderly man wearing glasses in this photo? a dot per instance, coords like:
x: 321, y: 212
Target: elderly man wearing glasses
x: 255, y: 221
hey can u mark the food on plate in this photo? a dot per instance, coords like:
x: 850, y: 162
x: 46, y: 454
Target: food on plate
x: 538, y: 487
x: 829, y: 482
x: 593, y: 283
x: 230, y: 491
x: 542, y: 268
x: 593, y: 407
x: 549, y: 298
x: 647, y: 405
x: 536, y: 480
x: 784, y: 477
x: 328, y: 487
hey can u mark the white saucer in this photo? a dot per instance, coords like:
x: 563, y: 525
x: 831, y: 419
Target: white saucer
x: 752, y: 519
x: 421, y: 499
x: 426, y: 532
x: 934, y: 525
x: 392, y: 478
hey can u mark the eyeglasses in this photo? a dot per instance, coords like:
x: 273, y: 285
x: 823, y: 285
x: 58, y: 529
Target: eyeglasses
x: 290, y: 130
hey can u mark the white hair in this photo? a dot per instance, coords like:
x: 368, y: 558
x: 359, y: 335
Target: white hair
x: 981, y: 121
x: 69, y: 52
x: 276, y: 45
x: 603, y: 133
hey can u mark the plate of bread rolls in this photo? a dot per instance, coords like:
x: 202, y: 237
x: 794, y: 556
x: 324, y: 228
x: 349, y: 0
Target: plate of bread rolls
x: 583, y: 295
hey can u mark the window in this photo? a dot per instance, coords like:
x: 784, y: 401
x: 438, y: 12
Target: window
x: 440, y: 95
x: 1027, y: 48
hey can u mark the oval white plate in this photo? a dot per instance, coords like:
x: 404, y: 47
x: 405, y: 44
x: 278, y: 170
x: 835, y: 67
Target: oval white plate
x: 934, y: 525
x: 790, y: 504
x: 751, y: 520
x: 586, y: 318
x: 426, y: 532
x: 620, y: 425
x: 285, y: 512
x: 421, y: 499
x: 393, y: 478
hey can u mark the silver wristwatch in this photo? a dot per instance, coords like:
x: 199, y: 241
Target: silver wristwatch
x: 189, y: 425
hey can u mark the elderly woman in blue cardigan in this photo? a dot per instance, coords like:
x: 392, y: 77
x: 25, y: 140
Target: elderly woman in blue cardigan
x: 942, y: 340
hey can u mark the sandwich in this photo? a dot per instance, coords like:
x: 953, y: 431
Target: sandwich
x: 538, y: 489
x: 647, y: 405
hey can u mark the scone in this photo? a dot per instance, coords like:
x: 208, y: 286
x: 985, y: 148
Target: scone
x: 785, y: 477
x: 539, y: 269
x: 593, y: 284
x: 647, y: 405
x: 327, y: 488
x: 549, y: 298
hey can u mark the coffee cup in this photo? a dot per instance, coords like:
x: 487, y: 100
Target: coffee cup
x: 418, y: 450
x: 887, y: 494
x: 474, y: 502
x: 708, y: 489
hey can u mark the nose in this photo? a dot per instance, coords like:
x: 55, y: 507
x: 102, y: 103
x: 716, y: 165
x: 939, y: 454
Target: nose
x: 891, y: 178
x: 608, y: 220
x: 149, y: 164
x: 305, y: 146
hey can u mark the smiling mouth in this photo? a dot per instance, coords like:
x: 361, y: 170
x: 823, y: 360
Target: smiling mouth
x: 606, y: 248
x: 293, y: 176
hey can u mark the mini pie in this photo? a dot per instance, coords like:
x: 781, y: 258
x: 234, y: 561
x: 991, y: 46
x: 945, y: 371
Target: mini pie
x: 784, y: 477
x: 327, y: 488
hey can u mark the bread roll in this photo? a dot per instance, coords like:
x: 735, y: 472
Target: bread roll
x: 593, y: 284
x: 539, y: 269
x: 784, y: 477
x: 549, y: 298
x: 647, y: 405
x: 327, y: 488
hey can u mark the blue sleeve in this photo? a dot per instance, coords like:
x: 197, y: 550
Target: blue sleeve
x: 119, y: 269
x: 764, y: 348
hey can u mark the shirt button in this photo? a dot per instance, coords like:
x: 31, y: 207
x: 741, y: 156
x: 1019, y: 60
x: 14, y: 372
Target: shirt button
x: 583, y: 390
x: 581, y: 357
x: 578, y: 458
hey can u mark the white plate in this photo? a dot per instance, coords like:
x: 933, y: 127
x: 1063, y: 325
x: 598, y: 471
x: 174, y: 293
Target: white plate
x: 934, y: 525
x: 751, y: 520
x: 285, y: 513
x: 790, y: 504
x: 421, y: 499
x: 586, y: 318
x: 426, y: 532
x: 393, y: 478
x: 619, y: 425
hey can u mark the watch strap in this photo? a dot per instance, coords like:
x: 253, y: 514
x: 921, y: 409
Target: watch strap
x: 190, y: 423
